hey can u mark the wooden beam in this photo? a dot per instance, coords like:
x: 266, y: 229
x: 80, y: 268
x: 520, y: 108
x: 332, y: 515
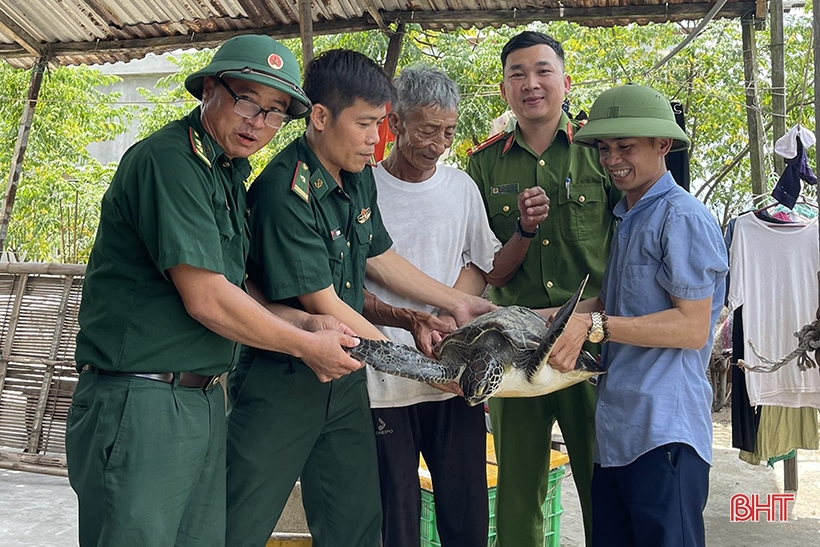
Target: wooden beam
x: 306, y: 31
x: 138, y: 47
x: 754, y: 120
x: 374, y: 13
x: 391, y: 60
x: 10, y: 28
x: 778, y: 78
x: 20, y: 148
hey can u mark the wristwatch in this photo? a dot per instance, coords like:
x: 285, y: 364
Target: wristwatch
x: 598, y: 332
x: 520, y: 231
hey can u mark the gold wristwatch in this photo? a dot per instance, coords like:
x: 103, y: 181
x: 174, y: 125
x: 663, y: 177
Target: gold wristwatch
x: 596, y: 332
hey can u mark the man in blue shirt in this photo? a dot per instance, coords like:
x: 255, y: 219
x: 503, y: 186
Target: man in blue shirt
x: 662, y: 290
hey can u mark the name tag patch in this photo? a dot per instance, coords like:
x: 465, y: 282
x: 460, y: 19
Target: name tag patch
x: 511, y: 188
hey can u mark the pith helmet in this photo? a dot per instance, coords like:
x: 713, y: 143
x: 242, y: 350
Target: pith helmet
x: 259, y: 59
x: 632, y: 111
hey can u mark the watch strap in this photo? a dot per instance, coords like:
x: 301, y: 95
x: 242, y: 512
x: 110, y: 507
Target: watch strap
x: 520, y: 231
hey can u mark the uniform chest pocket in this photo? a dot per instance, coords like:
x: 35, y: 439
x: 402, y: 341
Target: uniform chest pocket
x: 503, y: 214
x: 364, y: 236
x: 222, y: 216
x: 583, y: 213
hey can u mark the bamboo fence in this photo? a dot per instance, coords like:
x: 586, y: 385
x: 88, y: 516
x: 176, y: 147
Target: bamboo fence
x: 38, y: 326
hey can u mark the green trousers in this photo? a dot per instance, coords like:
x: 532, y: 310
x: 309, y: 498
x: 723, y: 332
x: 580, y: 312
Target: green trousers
x: 284, y: 424
x: 147, y: 461
x: 522, y: 432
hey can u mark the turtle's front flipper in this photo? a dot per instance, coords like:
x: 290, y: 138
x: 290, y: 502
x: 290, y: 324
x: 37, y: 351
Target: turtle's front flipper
x: 587, y: 363
x: 404, y: 361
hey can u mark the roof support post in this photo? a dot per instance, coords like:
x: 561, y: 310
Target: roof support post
x: 20, y: 147
x: 778, y: 78
x: 306, y: 31
x: 754, y: 120
x: 391, y: 60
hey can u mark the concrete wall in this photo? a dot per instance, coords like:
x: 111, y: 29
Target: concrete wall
x: 135, y: 74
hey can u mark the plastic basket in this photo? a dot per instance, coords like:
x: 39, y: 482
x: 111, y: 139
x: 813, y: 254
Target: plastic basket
x: 552, y: 510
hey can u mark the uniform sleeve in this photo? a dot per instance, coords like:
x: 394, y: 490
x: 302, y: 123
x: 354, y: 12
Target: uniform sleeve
x: 381, y: 239
x: 171, y: 206
x: 288, y: 256
x: 694, y: 259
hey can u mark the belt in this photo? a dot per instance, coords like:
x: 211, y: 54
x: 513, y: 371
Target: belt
x: 186, y: 379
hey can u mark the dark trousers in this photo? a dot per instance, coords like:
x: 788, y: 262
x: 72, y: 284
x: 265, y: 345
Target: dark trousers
x: 655, y: 501
x: 522, y: 431
x: 284, y: 425
x: 452, y: 437
x: 147, y: 461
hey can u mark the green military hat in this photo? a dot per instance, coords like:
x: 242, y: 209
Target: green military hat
x: 259, y: 59
x: 632, y: 111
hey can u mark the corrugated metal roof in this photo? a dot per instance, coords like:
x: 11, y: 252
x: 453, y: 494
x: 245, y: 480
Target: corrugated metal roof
x: 100, y: 31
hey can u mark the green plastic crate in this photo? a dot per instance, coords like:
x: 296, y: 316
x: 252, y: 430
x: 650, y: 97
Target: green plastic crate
x: 552, y: 514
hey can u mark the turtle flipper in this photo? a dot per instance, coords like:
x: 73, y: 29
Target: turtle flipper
x: 400, y: 360
x: 554, y: 331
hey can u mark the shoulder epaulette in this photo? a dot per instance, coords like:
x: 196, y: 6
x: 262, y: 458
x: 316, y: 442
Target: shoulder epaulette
x: 196, y: 146
x: 300, y: 185
x: 482, y: 145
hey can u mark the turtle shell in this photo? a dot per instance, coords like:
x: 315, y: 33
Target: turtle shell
x: 521, y: 327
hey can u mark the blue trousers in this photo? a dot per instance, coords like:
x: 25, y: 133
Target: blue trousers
x: 655, y: 501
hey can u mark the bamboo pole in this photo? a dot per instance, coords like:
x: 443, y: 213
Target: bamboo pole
x: 20, y: 147
x: 306, y: 31
x: 753, y: 117
x: 778, y: 79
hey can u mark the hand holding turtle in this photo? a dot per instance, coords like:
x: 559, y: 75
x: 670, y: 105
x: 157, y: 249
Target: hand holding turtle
x: 471, y: 307
x: 533, y: 206
x: 428, y: 330
x: 318, y: 322
x: 328, y: 358
x: 564, y: 355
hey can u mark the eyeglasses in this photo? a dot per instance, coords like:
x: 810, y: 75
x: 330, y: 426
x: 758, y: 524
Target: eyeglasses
x: 249, y: 109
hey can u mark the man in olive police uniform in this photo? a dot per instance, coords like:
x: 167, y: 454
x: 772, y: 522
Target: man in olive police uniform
x: 572, y: 242
x: 163, y: 308
x: 315, y: 229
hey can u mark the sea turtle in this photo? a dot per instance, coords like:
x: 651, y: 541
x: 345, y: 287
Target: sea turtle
x: 499, y: 354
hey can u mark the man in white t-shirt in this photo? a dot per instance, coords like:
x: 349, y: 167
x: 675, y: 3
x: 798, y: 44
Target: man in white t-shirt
x: 436, y: 218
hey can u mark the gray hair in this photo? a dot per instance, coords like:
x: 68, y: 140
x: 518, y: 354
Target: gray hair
x: 421, y: 85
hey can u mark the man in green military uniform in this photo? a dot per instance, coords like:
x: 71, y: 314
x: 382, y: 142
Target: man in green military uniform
x: 163, y: 309
x: 316, y: 229
x: 572, y: 242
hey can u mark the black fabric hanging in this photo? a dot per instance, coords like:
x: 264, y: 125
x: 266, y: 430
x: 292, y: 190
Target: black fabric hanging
x: 678, y: 162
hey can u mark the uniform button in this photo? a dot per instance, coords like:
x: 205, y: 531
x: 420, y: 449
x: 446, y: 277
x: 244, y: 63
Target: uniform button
x: 623, y: 235
x: 347, y: 285
x: 348, y: 244
x: 549, y: 284
x: 341, y: 255
x: 582, y: 199
x: 545, y: 242
x: 541, y: 163
x: 226, y: 164
x: 370, y: 237
x: 505, y: 208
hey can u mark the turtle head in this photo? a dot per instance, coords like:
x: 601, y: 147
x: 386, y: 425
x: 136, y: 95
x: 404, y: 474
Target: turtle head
x: 478, y: 383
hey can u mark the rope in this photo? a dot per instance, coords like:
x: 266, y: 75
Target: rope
x: 808, y: 342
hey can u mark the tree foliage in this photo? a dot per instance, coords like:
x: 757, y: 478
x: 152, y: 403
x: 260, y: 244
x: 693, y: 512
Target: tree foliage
x: 56, y: 209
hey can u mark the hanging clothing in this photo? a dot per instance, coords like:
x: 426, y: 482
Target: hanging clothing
x: 773, y: 276
x: 792, y: 146
x: 781, y: 431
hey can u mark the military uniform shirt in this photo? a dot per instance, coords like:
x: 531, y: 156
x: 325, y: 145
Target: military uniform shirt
x: 309, y: 233
x: 175, y: 199
x: 574, y: 239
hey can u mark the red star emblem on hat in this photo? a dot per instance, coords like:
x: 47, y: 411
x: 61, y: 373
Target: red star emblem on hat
x: 275, y: 62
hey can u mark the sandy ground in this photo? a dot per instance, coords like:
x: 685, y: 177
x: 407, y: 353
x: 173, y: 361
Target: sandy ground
x: 40, y: 510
